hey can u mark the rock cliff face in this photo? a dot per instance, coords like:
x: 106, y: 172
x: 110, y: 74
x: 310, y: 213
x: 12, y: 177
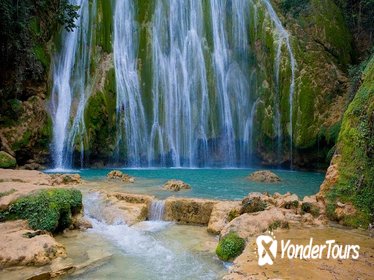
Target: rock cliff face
x: 321, y: 44
x: 350, y: 180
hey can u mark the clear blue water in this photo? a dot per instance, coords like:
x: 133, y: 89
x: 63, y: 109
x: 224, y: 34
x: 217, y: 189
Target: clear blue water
x: 213, y: 183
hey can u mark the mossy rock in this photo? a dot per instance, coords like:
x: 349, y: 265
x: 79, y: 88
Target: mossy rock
x: 49, y: 210
x: 307, y: 207
x: 230, y: 246
x: 252, y: 205
x: 356, y: 149
x: 7, y: 161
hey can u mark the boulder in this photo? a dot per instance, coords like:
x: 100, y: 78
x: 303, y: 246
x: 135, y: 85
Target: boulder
x: 127, y: 208
x: 264, y: 176
x: 223, y: 213
x: 22, y: 246
x: 248, y: 225
x: 119, y: 175
x: 288, y: 200
x: 188, y: 210
x: 176, y: 186
x: 6, y: 160
x: 65, y: 179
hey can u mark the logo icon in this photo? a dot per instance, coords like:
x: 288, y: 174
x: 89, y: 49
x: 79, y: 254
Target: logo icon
x: 266, y: 249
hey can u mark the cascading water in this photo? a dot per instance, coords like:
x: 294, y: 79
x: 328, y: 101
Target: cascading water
x: 149, y: 255
x: 157, y: 210
x: 283, y: 39
x: 71, y: 86
x: 130, y: 112
x: 204, y: 85
x: 180, y: 90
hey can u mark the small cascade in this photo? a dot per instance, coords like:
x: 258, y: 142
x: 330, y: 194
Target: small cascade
x: 156, y: 211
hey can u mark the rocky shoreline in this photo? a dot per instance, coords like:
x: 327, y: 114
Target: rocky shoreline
x: 286, y: 215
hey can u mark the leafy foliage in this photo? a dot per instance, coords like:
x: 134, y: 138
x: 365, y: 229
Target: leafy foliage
x: 230, y: 246
x: 24, y: 27
x: 49, y: 210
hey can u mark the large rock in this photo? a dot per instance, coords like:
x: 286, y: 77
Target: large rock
x: 176, y: 186
x: 6, y: 160
x: 65, y: 179
x: 248, y: 225
x: 188, y: 210
x: 121, y: 207
x: 119, y: 175
x: 222, y: 213
x: 22, y: 246
x: 264, y: 176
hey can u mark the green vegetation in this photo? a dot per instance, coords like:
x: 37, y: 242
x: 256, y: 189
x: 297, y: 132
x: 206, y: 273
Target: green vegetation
x: 307, y: 207
x: 295, y: 7
x: 232, y: 215
x: 292, y: 204
x: 6, y: 160
x: 278, y: 224
x: 252, y: 205
x: 356, y: 149
x: 49, y: 210
x: 7, y: 193
x: 230, y: 246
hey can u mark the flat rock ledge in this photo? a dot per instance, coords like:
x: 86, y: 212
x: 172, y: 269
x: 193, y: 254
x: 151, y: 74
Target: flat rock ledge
x: 264, y: 176
x: 119, y: 175
x: 21, y: 245
x: 176, y: 186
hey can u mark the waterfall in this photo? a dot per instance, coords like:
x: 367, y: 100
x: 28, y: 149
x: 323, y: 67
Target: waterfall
x: 203, y: 90
x: 156, y: 211
x: 130, y: 112
x: 71, y: 86
x: 180, y: 91
x: 283, y: 39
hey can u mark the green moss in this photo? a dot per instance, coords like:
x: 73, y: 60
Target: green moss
x: 292, y: 204
x: 232, y: 215
x: 252, y: 205
x: 278, y: 224
x: 230, y: 246
x: 7, y: 193
x: 42, y: 55
x: 105, y: 25
x: 100, y: 119
x: 307, y: 207
x: 356, y: 148
x: 6, y: 160
x: 49, y: 210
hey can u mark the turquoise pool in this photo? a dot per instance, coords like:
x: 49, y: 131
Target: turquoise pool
x: 213, y: 183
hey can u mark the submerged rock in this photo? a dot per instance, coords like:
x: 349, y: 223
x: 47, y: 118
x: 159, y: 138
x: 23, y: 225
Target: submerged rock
x: 264, y: 176
x: 118, y: 175
x: 6, y: 160
x: 176, y: 186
